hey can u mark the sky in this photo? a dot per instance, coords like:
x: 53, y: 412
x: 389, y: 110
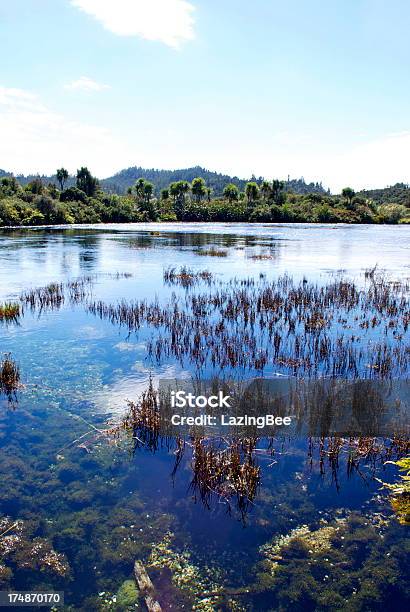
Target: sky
x: 314, y: 89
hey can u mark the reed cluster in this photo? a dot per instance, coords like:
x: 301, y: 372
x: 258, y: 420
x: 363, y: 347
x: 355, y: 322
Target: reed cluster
x: 225, y: 469
x: 9, y: 375
x: 185, y: 277
x: 212, y: 252
x: 304, y: 329
x: 9, y: 312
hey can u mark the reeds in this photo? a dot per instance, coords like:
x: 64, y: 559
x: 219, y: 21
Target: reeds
x: 9, y: 312
x: 9, y: 375
x: 225, y: 469
x: 186, y: 277
x: 212, y: 252
x: 301, y: 329
x: 261, y: 257
x: 142, y: 420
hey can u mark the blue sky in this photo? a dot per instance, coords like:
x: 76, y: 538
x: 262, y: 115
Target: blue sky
x: 306, y: 88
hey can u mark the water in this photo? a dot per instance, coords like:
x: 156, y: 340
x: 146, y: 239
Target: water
x: 103, y: 507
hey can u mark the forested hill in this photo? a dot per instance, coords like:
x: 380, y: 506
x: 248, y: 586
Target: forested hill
x: 396, y: 194
x: 120, y: 182
x: 161, y: 179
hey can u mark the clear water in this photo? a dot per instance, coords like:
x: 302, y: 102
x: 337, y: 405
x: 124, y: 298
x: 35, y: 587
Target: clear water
x: 103, y: 507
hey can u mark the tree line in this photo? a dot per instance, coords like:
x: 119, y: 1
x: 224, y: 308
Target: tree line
x: 54, y: 202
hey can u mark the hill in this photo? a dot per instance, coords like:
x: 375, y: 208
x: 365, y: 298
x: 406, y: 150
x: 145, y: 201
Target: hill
x: 396, y: 194
x: 119, y: 182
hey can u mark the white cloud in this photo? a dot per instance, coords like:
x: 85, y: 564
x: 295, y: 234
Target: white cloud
x: 35, y: 139
x: 86, y: 84
x: 168, y: 21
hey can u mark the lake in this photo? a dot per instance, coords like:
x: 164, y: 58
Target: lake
x: 79, y: 506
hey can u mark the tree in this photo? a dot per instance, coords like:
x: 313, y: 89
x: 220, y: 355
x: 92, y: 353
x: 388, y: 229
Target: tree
x: 178, y: 191
x: 231, y: 193
x: 277, y: 194
x: 144, y: 191
x: 198, y: 189
x: 35, y: 186
x: 73, y: 194
x: 62, y: 177
x: 47, y: 207
x: 87, y: 182
x: 266, y: 190
x: 348, y: 193
x: 164, y: 194
x: 148, y: 192
x: 251, y: 192
x: 9, y: 186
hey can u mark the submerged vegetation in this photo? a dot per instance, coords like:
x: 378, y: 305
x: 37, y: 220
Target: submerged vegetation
x: 41, y: 202
x: 78, y: 514
x: 400, y: 491
x: 226, y: 469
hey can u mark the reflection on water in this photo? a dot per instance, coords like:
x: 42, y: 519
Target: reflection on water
x: 317, y: 535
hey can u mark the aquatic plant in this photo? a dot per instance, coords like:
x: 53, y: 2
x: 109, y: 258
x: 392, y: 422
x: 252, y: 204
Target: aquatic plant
x: 54, y: 295
x: 186, y: 277
x: 212, y: 252
x: 19, y: 550
x: 261, y: 257
x: 9, y: 375
x: 142, y: 419
x: 400, y: 491
x: 9, y: 311
x: 303, y: 330
x: 226, y: 469
x: 316, y: 541
x: 187, y: 576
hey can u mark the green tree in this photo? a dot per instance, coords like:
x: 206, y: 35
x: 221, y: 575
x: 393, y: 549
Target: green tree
x: 198, y: 189
x: 251, y: 192
x: 62, y: 177
x: 164, y: 194
x: 87, y: 182
x: 266, y: 191
x: 277, y: 193
x: 35, y: 186
x: 348, y: 193
x: 178, y: 191
x: 231, y: 193
x: 144, y: 191
x: 9, y: 186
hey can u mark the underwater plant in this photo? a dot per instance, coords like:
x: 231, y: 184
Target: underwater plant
x: 19, y: 550
x: 400, y: 491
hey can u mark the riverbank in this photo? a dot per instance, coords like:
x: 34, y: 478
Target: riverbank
x: 37, y: 204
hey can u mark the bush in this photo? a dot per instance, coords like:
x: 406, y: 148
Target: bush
x: 73, y: 194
